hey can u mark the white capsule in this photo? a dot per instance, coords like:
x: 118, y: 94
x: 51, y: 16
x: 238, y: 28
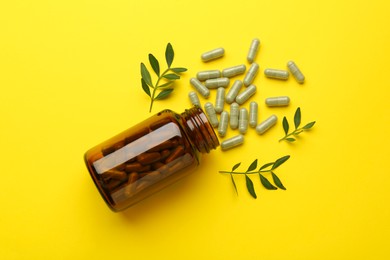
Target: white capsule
x: 266, y: 124
x: 276, y: 74
x: 223, y: 123
x: 213, y: 54
x: 208, y: 74
x: 194, y: 98
x: 246, y: 94
x: 216, y: 83
x: 234, y: 113
x: 253, y: 49
x: 233, y: 91
x: 210, y: 111
x: 233, y: 71
x: 232, y: 142
x: 251, y: 74
x: 296, y: 72
x: 253, y: 108
x: 220, y: 100
x: 277, y: 101
x: 243, y: 121
x: 205, y: 92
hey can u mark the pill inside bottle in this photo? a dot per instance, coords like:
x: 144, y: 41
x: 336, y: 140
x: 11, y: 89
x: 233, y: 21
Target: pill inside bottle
x: 150, y: 156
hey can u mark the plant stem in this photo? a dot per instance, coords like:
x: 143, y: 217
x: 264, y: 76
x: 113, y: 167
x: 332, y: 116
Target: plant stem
x: 155, y: 88
x: 244, y: 172
x: 292, y: 133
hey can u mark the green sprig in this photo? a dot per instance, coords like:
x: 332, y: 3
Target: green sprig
x: 168, y: 76
x: 297, y: 122
x: 266, y: 168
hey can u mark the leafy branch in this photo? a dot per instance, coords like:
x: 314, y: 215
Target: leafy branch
x: 297, y: 131
x: 266, y: 168
x: 168, y: 76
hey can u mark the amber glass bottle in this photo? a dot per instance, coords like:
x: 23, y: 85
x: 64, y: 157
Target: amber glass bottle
x: 149, y: 156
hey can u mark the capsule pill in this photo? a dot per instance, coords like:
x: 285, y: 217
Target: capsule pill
x: 216, y: 83
x: 234, y: 113
x: 276, y: 74
x: 194, y: 98
x: 219, y: 100
x: 253, y: 49
x: 213, y: 54
x: 277, y: 101
x: 233, y: 71
x: 296, y: 72
x: 205, y: 92
x: 223, y: 123
x: 253, y: 112
x: 246, y: 94
x: 266, y: 124
x: 210, y: 111
x: 233, y: 91
x: 232, y: 142
x: 208, y: 74
x: 243, y: 121
x: 251, y: 74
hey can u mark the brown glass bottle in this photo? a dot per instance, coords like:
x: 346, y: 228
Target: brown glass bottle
x: 149, y: 156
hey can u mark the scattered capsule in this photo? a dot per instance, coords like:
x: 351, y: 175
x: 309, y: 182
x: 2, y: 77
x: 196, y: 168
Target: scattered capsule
x: 210, y: 111
x: 205, y: 92
x: 216, y: 83
x: 223, y: 123
x: 251, y: 74
x: 234, y: 112
x: 233, y: 91
x: 208, y: 74
x: 233, y: 71
x: 213, y: 54
x: 194, y: 98
x: 277, y: 101
x: 253, y: 111
x: 276, y: 74
x: 266, y: 124
x: 220, y: 100
x: 232, y: 142
x: 243, y: 121
x: 253, y: 49
x: 246, y: 94
x: 296, y: 72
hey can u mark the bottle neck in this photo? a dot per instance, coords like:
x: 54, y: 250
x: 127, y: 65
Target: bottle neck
x: 199, y: 129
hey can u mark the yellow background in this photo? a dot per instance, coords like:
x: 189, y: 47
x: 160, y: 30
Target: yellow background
x: 70, y: 78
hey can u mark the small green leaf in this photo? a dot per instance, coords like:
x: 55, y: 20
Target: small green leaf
x: 236, y: 166
x: 280, y: 161
x: 265, y: 166
x: 164, y: 94
x: 249, y: 186
x: 309, y: 125
x: 165, y: 84
x: 266, y: 183
x: 234, y: 183
x: 146, y: 75
x: 297, y: 117
x: 285, y: 125
x: 290, y: 139
x: 253, y: 166
x: 171, y: 76
x: 169, y: 54
x: 145, y: 87
x: 277, y: 181
x: 179, y: 70
x: 297, y: 132
x: 154, y: 63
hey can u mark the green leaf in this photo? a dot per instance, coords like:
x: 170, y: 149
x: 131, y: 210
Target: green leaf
x: 171, y: 76
x: 290, y: 139
x: 154, y: 63
x: 285, y: 125
x: 266, y: 183
x: 297, y: 117
x: 164, y: 94
x: 165, y: 84
x: 249, y: 186
x: 146, y: 75
x: 145, y: 87
x: 280, y: 161
x: 179, y: 70
x: 234, y: 183
x: 297, y: 132
x: 253, y: 166
x: 309, y: 125
x: 277, y: 181
x: 236, y: 166
x: 169, y: 54
x: 265, y: 166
